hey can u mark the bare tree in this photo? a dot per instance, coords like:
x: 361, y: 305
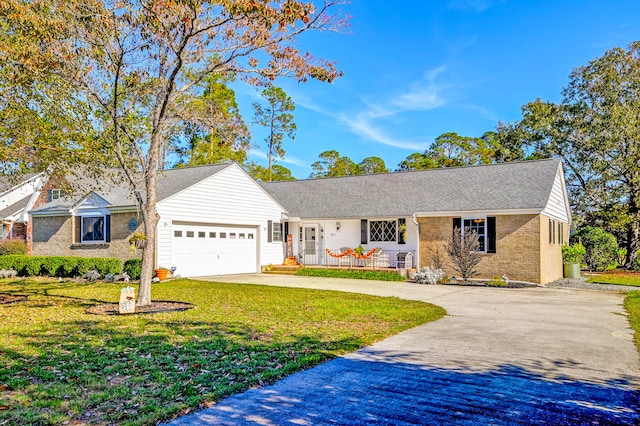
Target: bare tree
x: 463, y: 252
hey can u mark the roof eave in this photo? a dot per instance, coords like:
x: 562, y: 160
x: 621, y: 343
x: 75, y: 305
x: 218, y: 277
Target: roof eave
x: 492, y: 212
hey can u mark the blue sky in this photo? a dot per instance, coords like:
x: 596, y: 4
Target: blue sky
x: 416, y: 69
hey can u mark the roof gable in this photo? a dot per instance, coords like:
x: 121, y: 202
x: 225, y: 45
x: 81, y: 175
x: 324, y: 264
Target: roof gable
x: 114, y: 190
x: 521, y: 186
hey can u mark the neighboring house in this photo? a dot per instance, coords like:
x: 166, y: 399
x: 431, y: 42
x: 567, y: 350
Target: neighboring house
x: 213, y: 220
x: 519, y: 210
x: 17, y: 196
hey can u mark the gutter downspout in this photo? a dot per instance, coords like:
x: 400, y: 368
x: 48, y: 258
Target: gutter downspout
x: 415, y: 221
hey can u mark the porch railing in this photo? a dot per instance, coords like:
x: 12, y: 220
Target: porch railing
x: 398, y: 259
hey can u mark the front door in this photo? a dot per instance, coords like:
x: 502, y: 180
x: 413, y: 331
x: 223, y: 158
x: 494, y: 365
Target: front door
x: 310, y: 244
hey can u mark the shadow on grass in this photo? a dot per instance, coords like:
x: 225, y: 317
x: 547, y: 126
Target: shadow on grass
x: 139, y: 371
x: 349, y: 391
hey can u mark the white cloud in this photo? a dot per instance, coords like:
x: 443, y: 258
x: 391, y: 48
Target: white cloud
x: 423, y: 95
x: 363, y: 126
x: 255, y: 153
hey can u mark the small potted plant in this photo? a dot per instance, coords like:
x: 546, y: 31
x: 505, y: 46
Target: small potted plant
x: 572, y: 257
x: 161, y: 273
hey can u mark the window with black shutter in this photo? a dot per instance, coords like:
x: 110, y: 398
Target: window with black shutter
x: 484, y: 228
x: 402, y: 230
x: 364, y: 231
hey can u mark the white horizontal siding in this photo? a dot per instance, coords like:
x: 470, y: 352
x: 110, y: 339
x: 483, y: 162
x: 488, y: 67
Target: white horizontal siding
x: 229, y: 197
x: 557, y: 206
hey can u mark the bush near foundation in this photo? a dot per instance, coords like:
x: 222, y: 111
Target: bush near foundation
x: 133, y: 267
x: 17, y: 246
x: 59, y: 266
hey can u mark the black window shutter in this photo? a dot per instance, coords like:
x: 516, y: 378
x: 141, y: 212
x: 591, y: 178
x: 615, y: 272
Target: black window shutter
x: 77, y: 236
x: 270, y: 231
x: 107, y: 228
x: 401, y: 234
x: 491, y: 234
x: 457, y: 223
x: 49, y: 199
x: 364, y: 234
x: 286, y: 231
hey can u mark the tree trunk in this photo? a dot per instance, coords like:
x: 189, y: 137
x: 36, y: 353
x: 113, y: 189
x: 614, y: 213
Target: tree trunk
x: 633, y: 243
x: 151, y: 218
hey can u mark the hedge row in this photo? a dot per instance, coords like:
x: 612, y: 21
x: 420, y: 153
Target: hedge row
x: 354, y: 274
x: 59, y: 266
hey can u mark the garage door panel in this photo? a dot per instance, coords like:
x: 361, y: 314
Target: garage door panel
x: 198, y: 250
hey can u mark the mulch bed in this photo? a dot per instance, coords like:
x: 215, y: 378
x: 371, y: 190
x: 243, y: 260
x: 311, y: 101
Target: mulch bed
x: 154, y: 308
x: 481, y: 283
x: 11, y: 298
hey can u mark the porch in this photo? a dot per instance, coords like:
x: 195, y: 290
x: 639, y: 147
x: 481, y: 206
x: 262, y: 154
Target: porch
x: 345, y: 257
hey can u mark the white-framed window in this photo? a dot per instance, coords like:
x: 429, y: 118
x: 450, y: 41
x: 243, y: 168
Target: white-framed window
x: 383, y: 230
x: 54, y: 194
x: 93, y: 229
x: 277, y: 231
x: 479, y: 225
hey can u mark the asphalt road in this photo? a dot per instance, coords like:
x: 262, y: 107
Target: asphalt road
x: 501, y: 356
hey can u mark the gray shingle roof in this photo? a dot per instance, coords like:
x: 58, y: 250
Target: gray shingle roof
x: 7, y: 182
x: 507, y: 186
x: 115, y: 190
x: 14, y: 208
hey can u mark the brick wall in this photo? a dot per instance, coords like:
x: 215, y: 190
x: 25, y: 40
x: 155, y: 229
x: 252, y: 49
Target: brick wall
x: 57, y: 236
x: 519, y: 248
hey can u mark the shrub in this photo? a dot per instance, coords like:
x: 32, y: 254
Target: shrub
x: 53, y: 266
x: 59, y: 266
x: 16, y: 246
x: 355, y: 274
x: 497, y: 281
x: 573, y: 254
x: 464, y: 252
x: 429, y: 275
x: 106, y: 265
x: 133, y: 268
x: 601, y: 247
x: 33, y: 266
x: 16, y: 262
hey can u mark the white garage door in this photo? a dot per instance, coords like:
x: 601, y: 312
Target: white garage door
x: 198, y: 250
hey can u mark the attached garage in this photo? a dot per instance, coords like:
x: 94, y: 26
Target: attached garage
x: 200, y: 249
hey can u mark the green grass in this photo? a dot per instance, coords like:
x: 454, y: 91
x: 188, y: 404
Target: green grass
x: 632, y: 305
x: 351, y: 273
x: 618, y: 278
x: 60, y: 364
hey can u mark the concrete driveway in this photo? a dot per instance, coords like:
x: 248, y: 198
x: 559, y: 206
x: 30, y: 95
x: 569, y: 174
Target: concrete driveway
x: 501, y: 356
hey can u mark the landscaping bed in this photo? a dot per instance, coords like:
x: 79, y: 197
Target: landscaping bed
x: 489, y: 283
x: 6, y: 298
x: 153, y: 308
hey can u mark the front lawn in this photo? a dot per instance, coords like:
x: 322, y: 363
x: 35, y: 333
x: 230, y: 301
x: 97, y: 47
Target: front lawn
x: 60, y: 364
x: 632, y: 305
x: 616, y: 278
